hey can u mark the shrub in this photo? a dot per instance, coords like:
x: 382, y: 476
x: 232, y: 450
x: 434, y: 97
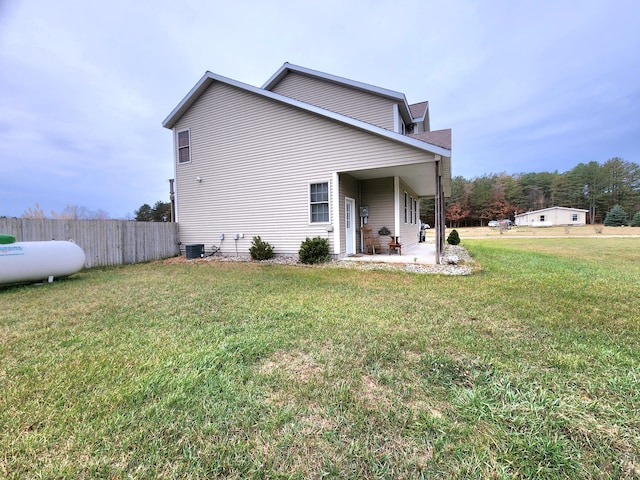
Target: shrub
x: 453, y: 238
x: 616, y: 217
x: 314, y: 250
x: 260, y: 250
x: 635, y: 221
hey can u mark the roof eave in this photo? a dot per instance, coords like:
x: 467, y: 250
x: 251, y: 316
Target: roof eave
x: 209, y: 77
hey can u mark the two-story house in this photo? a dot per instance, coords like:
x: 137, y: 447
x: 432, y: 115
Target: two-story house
x: 308, y: 154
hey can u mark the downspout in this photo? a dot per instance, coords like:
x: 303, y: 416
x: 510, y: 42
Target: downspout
x: 174, y: 184
x: 442, y: 217
x: 172, y: 198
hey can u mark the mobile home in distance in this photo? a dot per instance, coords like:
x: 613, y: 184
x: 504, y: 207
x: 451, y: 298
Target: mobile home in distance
x: 552, y: 216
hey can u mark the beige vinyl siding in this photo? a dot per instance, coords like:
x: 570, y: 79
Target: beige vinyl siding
x: 347, y: 101
x: 377, y: 194
x: 420, y: 127
x: 256, y: 158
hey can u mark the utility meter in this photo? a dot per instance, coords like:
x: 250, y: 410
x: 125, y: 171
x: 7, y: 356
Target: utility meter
x: 364, y: 214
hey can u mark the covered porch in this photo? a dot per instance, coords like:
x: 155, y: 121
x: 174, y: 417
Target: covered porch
x: 420, y: 254
x: 390, y: 197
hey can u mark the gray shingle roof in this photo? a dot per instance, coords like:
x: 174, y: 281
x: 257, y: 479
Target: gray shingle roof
x: 440, y: 138
x: 418, y: 109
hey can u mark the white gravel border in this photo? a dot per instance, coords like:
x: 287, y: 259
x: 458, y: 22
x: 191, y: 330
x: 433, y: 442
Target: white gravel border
x: 466, y: 265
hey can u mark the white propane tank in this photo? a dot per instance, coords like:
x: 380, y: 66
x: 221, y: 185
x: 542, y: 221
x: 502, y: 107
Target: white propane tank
x: 38, y: 261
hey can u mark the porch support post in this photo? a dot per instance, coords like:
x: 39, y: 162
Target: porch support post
x: 335, y: 214
x: 439, y: 212
x: 396, y: 206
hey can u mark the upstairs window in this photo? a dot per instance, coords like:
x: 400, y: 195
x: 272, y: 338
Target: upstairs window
x: 319, y: 202
x: 184, y: 146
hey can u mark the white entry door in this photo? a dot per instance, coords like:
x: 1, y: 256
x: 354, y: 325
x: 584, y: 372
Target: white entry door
x: 349, y: 225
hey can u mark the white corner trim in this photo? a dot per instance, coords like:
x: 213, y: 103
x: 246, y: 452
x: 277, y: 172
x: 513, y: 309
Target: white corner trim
x: 335, y: 212
x: 396, y: 118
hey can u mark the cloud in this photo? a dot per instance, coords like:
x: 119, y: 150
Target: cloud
x: 85, y: 85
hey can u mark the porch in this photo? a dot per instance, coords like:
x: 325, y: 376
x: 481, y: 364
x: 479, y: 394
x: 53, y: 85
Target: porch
x: 419, y: 253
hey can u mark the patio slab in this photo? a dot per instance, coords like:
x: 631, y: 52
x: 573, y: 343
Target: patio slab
x: 419, y: 253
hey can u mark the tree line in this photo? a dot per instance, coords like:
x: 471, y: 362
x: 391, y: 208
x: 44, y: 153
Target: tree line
x: 70, y: 212
x: 595, y: 187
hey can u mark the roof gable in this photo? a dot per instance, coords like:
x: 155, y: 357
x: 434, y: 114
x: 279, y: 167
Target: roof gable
x: 419, y: 110
x: 398, y: 97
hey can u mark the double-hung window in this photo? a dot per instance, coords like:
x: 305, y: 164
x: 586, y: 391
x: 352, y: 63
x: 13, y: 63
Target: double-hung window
x: 184, y: 146
x: 319, y: 202
x: 406, y: 212
x: 574, y: 217
x: 415, y: 211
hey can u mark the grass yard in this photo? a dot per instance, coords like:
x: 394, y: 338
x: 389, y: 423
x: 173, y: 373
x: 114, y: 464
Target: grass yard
x: 528, y: 369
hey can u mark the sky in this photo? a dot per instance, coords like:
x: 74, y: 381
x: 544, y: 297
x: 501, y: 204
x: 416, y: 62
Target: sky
x: 525, y: 86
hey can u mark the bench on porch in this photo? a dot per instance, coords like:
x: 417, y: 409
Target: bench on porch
x: 395, y: 245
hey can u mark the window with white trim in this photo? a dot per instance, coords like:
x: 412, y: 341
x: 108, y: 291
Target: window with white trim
x: 415, y: 211
x: 574, y: 217
x: 542, y: 218
x: 406, y: 213
x: 411, y: 210
x: 184, y: 146
x: 319, y: 202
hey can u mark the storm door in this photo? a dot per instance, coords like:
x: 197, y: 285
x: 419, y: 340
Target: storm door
x: 349, y: 225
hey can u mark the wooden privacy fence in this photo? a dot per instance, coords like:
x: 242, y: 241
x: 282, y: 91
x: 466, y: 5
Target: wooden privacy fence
x: 105, y: 242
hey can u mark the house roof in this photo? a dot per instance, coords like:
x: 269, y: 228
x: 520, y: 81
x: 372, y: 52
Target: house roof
x: 365, y: 87
x: 441, y: 138
x: 551, y: 208
x: 418, y: 110
x: 209, y: 78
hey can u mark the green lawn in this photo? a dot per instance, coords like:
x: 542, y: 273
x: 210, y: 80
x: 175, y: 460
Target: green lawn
x: 528, y: 369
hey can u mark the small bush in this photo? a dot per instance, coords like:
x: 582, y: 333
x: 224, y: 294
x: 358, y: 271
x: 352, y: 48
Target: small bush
x: 635, y: 221
x: 616, y: 217
x: 453, y: 238
x: 314, y: 250
x: 261, y: 250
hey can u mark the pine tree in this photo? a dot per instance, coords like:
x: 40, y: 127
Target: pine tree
x: 616, y: 217
x: 635, y: 221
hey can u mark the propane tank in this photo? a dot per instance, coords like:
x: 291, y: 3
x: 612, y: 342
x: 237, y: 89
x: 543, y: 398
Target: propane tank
x: 39, y: 261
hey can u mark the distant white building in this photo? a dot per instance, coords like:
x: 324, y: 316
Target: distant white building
x: 548, y: 217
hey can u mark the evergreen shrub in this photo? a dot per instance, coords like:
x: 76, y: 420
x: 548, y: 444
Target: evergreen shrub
x: 261, y: 250
x: 616, y: 217
x: 314, y: 250
x: 635, y: 221
x: 453, y: 238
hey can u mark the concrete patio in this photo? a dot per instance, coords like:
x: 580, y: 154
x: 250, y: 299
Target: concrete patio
x: 420, y: 253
